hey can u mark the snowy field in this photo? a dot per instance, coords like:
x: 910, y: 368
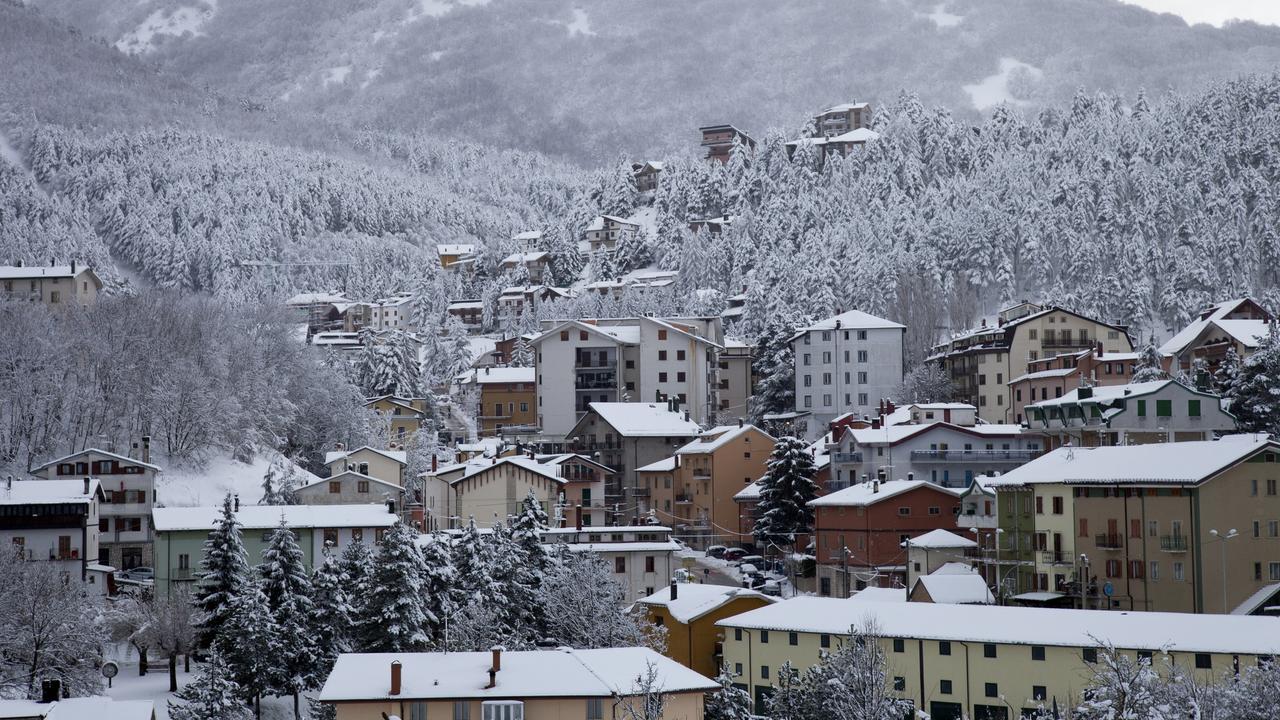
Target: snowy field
x: 208, y: 482
x: 155, y: 687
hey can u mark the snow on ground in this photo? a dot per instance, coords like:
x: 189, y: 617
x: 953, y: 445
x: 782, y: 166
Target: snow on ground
x: 177, y: 22
x: 995, y: 89
x: 208, y: 482
x: 336, y: 75
x: 580, y: 25
x: 154, y: 686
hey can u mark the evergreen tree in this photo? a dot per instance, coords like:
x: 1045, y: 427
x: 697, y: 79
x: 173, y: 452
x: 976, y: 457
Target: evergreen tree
x: 1255, y: 394
x: 223, y: 571
x: 927, y: 382
x: 774, y: 364
x: 729, y: 702
x: 212, y: 695
x: 1150, y: 365
x: 1227, y: 374
x: 438, y: 582
x: 287, y: 587
x: 331, y: 615
x: 250, y: 641
x: 357, y: 564
x: 397, y: 615
x: 786, y: 489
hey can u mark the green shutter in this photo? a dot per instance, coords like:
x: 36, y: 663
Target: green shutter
x: 1193, y: 408
x: 1164, y: 408
x: 1142, y: 408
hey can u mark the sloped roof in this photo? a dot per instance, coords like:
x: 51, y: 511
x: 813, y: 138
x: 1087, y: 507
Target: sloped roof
x: 1186, y: 335
x: 645, y: 419
x: 845, y: 107
x: 941, y: 539
x: 693, y: 600
x: 663, y: 465
x: 956, y: 588
x: 455, y: 249
x: 623, y: 335
x: 399, y: 456
x: 104, y: 453
x: 1173, y: 463
x: 478, y: 467
x: 354, y: 474
x: 857, y: 135
x: 851, y: 320
x: 499, y: 375
x: 867, y: 493
x: 264, y: 517
x: 36, y: 492
x: 717, y: 437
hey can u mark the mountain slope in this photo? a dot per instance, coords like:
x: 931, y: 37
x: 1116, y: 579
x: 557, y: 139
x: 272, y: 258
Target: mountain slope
x: 590, y: 80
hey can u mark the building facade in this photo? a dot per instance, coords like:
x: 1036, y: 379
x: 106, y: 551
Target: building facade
x: 940, y: 452
x: 690, y: 611
x: 1233, y: 325
x: 51, y: 285
x: 56, y: 521
x: 720, y: 139
x: 845, y: 364
x: 1053, y: 377
x: 1160, y: 411
x: 506, y: 397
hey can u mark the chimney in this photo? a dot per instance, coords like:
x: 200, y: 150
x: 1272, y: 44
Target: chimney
x: 236, y: 500
x: 8, y: 483
x: 497, y: 657
x: 50, y: 691
x: 1099, y: 348
x: 911, y: 476
x: 739, y: 422
x: 686, y: 416
x: 435, y: 463
x: 395, y: 677
x: 53, y: 261
x: 875, y: 486
x: 889, y: 407
x: 146, y: 448
x: 657, y: 396
x: 73, y: 267
x: 134, y: 453
x: 339, y: 446
x: 880, y: 475
x: 675, y: 590
x: 875, y: 423
x: 578, y: 520
x: 86, y: 485
x: 865, y: 477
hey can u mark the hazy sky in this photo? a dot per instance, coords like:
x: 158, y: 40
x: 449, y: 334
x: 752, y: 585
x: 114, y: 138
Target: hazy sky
x: 1216, y: 11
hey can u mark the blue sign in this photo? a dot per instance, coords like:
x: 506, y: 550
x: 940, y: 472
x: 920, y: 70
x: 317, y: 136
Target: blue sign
x: 1108, y: 590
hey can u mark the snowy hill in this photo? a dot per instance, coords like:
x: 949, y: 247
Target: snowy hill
x: 589, y: 79
x: 212, y: 479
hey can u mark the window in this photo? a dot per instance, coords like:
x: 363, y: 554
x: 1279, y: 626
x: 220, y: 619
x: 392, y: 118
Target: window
x: 679, y: 354
x: 1039, y: 505
x: 807, y: 359
x: 662, y: 354
x: 862, y: 378
x: 1178, y: 573
x: 1193, y: 408
x: 619, y: 564
x: 524, y: 406
x: 1155, y: 570
x: 826, y: 357
x: 595, y: 709
x: 357, y: 534
x: 944, y: 647
x: 1204, y: 661
x: 1057, y: 505
x: 904, y: 511
x: 737, y: 669
x: 824, y: 640
x: 935, y: 510
x: 1164, y: 408
x: 899, y: 683
x: 899, y: 645
x: 944, y: 687
x: 862, y: 399
x: 1038, y: 692
x: 335, y: 487
x: 662, y: 377
x: 1090, y: 655
x: 862, y: 334
x: 55, y: 297
x: 1273, y: 570
x: 764, y: 672
x: 1037, y: 653
x: 362, y: 486
x: 1271, y: 486
x: 988, y: 650
x: 184, y: 562
x: 502, y: 710
x: 1135, y: 569
x: 1084, y: 527
x: 862, y: 356
x: 582, y: 334
x: 737, y: 635
x: 793, y: 638
x: 331, y: 537
x: 1142, y: 408
x: 991, y: 690
x: 417, y: 710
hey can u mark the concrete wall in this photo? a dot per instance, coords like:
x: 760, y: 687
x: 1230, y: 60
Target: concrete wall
x: 498, y: 493
x: 380, y: 466
x: 679, y: 706
x: 349, y: 492
x: 816, y: 357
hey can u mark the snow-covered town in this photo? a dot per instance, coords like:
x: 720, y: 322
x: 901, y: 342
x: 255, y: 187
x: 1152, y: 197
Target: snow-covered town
x: 439, y: 360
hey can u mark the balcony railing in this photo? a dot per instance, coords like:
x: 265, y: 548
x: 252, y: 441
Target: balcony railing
x: 1110, y: 541
x: 1055, y: 557
x: 640, y: 491
x: 846, y: 457
x: 683, y: 499
x: 1173, y: 543
x: 599, y: 384
x: 973, y: 455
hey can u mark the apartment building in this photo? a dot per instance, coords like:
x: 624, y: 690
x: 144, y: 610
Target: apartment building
x: 511, y: 685
x: 646, y: 175
x: 1143, y: 525
x: 860, y: 532
x: 579, y: 362
x: 846, y: 363
x: 986, y: 661
x: 1057, y: 375
x: 606, y: 231
x: 736, y: 381
x: 642, y: 556
x: 626, y: 436
x: 943, y: 453
x: 981, y: 362
x: 720, y: 139
x: 182, y: 531
x: 394, y: 312
x: 690, y: 611
x: 1159, y: 411
x: 385, y: 465
x: 694, y: 489
x: 53, y: 285
x: 583, y: 494
x: 534, y: 262
x: 1237, y: 325
x: 56, y: 521
x: 505, y: 399
x: 128, y: 494
x: 493, y: 489
x: 403, y: 416
x: 840, y: 119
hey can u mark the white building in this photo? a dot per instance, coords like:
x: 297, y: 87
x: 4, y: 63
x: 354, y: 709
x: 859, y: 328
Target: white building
x: 940, y: 452
x: 392, y: 313
x: 1137, y: 413
x: 129, y: 493
x: 642, y: 556
x: 846, y: 363
x: 55, y: 521
x: 643, y: 359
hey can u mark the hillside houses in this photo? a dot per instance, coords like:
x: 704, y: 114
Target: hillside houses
x: 1232, y: 325
x: 52, y: 285
x: 719, y: 140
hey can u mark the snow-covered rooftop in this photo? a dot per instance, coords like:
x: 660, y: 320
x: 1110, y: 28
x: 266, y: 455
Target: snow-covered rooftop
x: 353, y: 474
x: 1180, y: 632
x: 845, y: 107
x: 716, y: 438
x: 749, y: 493
x: 693, y: 600
x: 1255, y: 601
x: 625, y: 334
x: 869, y: 493
x: 96, y: 451
x: 957, y: 588
x: 525, y: 257
x: 478, y: 466
x: 101, y: 708
x: 262, y: 517
x: 878, y: 595
x: 1044, y: 374
x: 1249, y: 333
x: 399, y: 456
x: 528, y: 235
x: 455, y: 249
x: 26, y: 492
x: 11, y: 272
x: 645, y: 419
x: 663, y: 465
x: 498, y: 375
x: 941, y: 539
x: 624, y: 546
x: 1176, y: 463
x: 317, y: 298
x: 524, y: 674
x: 1107, y: 393
x: 598, y: 222
x: 857, y: 135
x: 852, y: 320
x: 466, y: 305
x: 1188, y: 334
x: 894, y: 434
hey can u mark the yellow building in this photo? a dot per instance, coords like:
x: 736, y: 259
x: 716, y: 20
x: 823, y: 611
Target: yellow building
x: 403, y: 416
x: 987, y: 661
x: 690, y: 611
x: 505, y: 399
x: 499, y: 685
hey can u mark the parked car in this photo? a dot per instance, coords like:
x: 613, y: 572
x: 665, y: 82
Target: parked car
x: 137, y: 574
x: 716, y: 551
x: 772, y: 587
x: 756, y: 560
x: 734, y: 554
x: 748, y: 569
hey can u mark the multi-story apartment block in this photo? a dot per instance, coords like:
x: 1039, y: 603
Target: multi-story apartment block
x: 646, y: 175
x: 606, y: 231
x: 981, y: 362
x: 56, y: 521
x: 647, y: 359
x: 386, y: 465
x: 641, y: 555
x: 129, y: 492
x: 626, y: 436
x: 506, y: 397
x: 840, y: 119
x: 694, y: 489
x: 1057, y: 375
x: 736, y: 381
x: 583, y: 494
x: 859, y: 532
x: 1237, y: 325
x: 1150, y: 412
x: 720, y: 139
x: 1185, y: 527
x: 985, y: 661
x: 52, y: 285
x: 940, y: 452
x: 847, y: 363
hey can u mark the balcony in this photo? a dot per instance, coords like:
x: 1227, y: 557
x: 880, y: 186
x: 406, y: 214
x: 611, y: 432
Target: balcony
x: 1109, y: 541
x: 609, y: 383
x: 1065, y: 342
x: 701, y: 475
x: 846, y: 457
x: 640, y: 492
x: 1173, y: 543
x: 684, y: 500
x: 132, y: 509
x: 983, y: 456
x: 1056, y: 557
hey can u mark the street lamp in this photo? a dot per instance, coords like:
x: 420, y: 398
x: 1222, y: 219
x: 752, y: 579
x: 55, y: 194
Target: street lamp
x: 1222, y: 540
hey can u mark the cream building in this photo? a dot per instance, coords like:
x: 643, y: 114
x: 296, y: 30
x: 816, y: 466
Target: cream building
x: 385, y: 465
x: 986, y: 661
x: 52, y: 285
x: 559, y: 684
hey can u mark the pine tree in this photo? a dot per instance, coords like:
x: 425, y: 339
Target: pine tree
x: 397, y: 615
x: 729, y: 702
x: 288, y: 590
x: 1227, y: 374
x: 774, y: 364
x: 438, y: 582
x: 250, y: 641
x: 223, y: 571
x: 1255, y: 394
x: 357, y: 563
x: 786, y: 489
x: 1150, y: 365
x: 212, y: 695
x: 472, y: 560
x: 331, y: 615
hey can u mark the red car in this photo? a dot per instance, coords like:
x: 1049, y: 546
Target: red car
x: 734, y: 554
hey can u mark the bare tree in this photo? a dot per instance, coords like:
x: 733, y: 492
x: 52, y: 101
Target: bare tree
x: 647, y: 701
